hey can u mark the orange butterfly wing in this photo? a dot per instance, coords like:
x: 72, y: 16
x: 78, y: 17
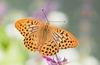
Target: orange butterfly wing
x: 30, y: 29
x: 64, y: 38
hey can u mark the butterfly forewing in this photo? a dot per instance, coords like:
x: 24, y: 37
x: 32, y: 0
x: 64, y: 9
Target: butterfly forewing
x: 63, y: 38
x: 28, y: 26
x: 30, y: 29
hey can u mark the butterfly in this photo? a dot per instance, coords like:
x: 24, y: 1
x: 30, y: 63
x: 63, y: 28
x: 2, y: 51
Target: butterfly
x: 48, y: 40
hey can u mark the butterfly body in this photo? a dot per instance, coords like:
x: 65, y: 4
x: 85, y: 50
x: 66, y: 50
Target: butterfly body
x: 48, y: 40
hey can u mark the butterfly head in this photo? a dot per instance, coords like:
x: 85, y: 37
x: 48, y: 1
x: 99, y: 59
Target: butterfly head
x: 46, y: 26
x: 47, y: 23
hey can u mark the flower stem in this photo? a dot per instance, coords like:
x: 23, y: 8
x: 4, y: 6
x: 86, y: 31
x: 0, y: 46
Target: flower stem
x: 57, y: 57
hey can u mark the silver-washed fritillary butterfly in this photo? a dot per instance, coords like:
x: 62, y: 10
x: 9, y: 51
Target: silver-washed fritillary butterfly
x: 48, y: 40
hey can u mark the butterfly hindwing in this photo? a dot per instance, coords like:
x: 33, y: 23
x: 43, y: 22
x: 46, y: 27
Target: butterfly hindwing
x: 49, y: 48
x: 30, y: 43
x: 63, y: 38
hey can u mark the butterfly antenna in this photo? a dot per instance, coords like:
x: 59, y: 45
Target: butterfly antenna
x: 47, y: 18
x: 45, y: 15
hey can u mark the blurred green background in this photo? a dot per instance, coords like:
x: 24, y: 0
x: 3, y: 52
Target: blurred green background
x: 82, y: 19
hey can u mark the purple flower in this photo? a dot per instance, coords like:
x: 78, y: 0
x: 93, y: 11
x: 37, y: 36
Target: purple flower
x: 47, y: 7
x: 51, y: 61
x: 3, y: 9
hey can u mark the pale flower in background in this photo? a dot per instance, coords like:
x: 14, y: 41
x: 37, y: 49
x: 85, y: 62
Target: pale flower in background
x: 58, y: 18
x: 11, y: 31
x: 1, y: 55
x: 90, y: 60
x: 10, y: 27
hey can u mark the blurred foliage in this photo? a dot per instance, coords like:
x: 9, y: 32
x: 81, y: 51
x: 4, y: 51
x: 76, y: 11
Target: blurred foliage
x: 4, y: 39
